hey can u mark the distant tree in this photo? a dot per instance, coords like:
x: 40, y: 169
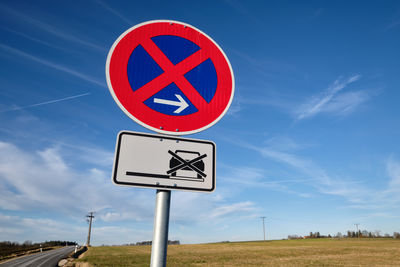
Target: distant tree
x: 396, y: 235
x: 377, y: 233
x: 339, y: 235
x: 364, y: 233
x: 27, y: 243
x: 370, y: 235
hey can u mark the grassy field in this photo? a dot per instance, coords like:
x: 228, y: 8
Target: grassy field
x: 308, y: 252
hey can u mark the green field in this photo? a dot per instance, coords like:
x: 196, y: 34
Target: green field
x: 307, y: 252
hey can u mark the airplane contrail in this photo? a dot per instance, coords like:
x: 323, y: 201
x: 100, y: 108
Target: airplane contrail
x: 45, y: 103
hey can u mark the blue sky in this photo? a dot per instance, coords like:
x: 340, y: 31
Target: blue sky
x: 311, y: 140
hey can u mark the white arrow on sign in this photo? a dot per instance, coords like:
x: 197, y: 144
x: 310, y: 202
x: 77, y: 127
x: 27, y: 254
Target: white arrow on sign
x: 182, y: 104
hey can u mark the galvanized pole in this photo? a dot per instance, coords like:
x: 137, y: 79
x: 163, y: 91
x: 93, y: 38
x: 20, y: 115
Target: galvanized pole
x: 160, y: 233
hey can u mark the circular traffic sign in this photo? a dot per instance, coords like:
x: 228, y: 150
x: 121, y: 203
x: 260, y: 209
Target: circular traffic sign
x: 170, y: 77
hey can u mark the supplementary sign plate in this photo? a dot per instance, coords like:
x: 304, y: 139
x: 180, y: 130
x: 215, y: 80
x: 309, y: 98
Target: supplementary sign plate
x: 164, y: 162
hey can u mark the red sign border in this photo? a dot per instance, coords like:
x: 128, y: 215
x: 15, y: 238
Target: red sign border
x: 127, y: 94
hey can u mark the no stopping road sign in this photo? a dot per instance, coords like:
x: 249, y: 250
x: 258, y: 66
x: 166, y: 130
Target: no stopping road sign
x: 170, y: 77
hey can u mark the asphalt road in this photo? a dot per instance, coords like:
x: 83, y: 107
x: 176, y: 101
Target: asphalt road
x: 45, y: 259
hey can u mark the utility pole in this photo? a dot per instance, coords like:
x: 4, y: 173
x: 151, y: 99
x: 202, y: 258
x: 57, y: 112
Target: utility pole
x: 263, y: 218
x: 358, y: 233
x: 90, y: 217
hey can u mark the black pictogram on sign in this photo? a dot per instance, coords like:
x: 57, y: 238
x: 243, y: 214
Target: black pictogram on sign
x: 181, y: 161
x: 178, y: 163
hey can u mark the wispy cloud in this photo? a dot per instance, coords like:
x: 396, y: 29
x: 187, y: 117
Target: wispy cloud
x: 242, y: 10
x: 32, y: 38
x: 393, y: 170
x: 318, y: 177
x: 328, y: 101
x: 232, y: 209
x: 61, y: 33
x: 263, y: 66
x: 345, y: 103
x: 116, y: 13
x: 356, y: 192
x: 389, y: 197
x: 53, y: 65
x: 45, y: 103
x: 248, y: 177
x: 392, y: 25
x: 317, y: 13
x: 234, y: 109
x: 310, y: 173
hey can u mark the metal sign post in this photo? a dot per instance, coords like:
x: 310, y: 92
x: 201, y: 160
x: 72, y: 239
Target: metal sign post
x: 160, y: 232
x: 165, y: 163
x: 171, y: 78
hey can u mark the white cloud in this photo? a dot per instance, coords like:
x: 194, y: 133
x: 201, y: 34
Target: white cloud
x: 234, y: 109
x: 308, y: 173
x: 45, y: 103
x: 393, y: 169
x: 189, y: 208
x: 355, y: 192
x: 346, y: 102
x: 52, y: 160
x: 117, y: 235
x: 250, y: 178
x: 233, y: 209
x: 330, y: 102
x: 96, y: 156
x: 32, y: 38
x: 17, y: 228
x: 44, y: 181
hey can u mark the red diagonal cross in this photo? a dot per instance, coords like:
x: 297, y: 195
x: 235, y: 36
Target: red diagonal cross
x: 172, y: 73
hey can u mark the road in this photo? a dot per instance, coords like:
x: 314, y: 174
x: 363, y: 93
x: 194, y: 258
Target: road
x: 45, y: 259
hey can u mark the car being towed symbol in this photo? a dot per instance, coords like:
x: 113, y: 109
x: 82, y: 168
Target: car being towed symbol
x: 189, y: 170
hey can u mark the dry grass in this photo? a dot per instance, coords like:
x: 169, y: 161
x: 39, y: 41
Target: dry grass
x: 310, y: 252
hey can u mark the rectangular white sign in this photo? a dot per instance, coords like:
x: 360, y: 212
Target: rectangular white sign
x: 164, y: 162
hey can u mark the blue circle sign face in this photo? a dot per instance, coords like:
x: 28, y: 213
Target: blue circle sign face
x: 170, y: 77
